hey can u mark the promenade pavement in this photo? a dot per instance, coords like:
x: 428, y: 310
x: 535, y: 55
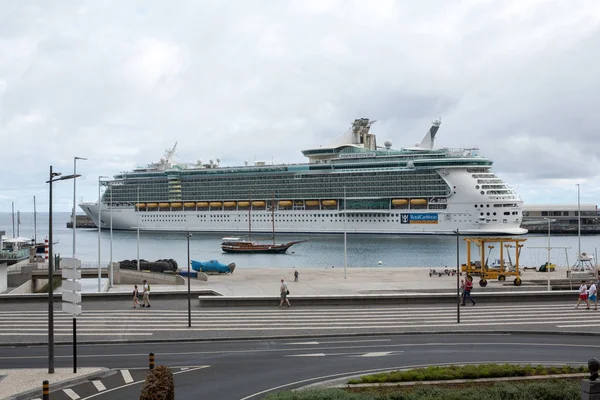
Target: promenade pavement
x: 334, y: 280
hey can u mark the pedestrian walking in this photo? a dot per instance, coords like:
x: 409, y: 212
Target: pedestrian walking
x: 467, y: 287
x: 296, y: 275
x: 146, y: 294
x: 136, y: 302
x: 283, y: 289
x: 592, y: 292
x: 583, y: 295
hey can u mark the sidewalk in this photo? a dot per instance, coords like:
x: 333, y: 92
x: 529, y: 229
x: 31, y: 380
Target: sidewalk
x: 26, y: 383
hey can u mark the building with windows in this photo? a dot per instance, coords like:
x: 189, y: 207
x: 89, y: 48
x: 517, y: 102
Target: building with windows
x: 564, y: 217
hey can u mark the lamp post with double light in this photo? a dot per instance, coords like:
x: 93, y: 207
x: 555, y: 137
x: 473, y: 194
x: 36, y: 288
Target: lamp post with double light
x: 75, y: 200
x: 54, y: 176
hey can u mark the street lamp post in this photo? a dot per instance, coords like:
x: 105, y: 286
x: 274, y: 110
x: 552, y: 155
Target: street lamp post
x: 578, y: 224
x: 457, y: 278
x: 548, y: 261
x: 189, y: 282
x: 54, y: 176
x: 110, y: 280
x: 137, y: 216
x: 345, y: 242
x: 99, y: 235
x: 75, y: 200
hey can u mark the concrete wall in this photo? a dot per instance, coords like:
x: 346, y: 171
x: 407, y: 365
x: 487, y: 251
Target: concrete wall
x: 136, y: 277
x: 26, y: 287
x: 3, y: 278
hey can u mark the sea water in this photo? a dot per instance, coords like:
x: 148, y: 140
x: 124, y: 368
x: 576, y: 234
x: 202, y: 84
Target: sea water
x: 320, y: 250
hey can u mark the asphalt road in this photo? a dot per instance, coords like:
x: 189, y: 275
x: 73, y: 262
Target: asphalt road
x: 249, y: 369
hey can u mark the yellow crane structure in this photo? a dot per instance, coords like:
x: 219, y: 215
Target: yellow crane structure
x: 499, y: 270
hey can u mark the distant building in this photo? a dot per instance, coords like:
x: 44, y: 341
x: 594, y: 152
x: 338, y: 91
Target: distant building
x: 564, y: 217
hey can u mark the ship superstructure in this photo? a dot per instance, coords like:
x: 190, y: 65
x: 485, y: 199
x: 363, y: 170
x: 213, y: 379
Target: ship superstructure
x: 351, y: 185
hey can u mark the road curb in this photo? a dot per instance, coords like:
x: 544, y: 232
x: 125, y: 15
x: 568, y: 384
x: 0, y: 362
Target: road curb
x: 465, y: 331
x: 63, y: 384
x: 341, y: 383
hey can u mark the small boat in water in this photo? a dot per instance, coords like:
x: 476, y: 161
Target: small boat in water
x: 239, y: 245
x: 213, y: 266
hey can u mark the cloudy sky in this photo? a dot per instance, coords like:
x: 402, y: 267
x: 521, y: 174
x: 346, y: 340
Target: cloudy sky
x: 119, y: 82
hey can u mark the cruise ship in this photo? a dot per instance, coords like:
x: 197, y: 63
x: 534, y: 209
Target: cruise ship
x: 352, y: 185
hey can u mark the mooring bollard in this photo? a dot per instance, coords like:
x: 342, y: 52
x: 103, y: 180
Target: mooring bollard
x: 151, y: 360
x: 46, y: 390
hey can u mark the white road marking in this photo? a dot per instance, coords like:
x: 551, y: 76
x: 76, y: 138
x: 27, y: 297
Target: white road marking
x: 134, y: 383
x: 126, y: 376
x: 71, y: 394
x: 302, y: 343
x: 307, y: 355
x: 99, y: 385
x: 377, y: 354
x: 373, y: 371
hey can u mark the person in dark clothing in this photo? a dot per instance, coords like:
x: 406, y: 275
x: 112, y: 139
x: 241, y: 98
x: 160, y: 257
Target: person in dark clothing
x: 296, y: 275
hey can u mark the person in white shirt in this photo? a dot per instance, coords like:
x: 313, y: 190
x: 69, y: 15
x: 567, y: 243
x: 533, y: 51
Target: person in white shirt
x: 283, y: 291
x: 583, y: 295
x: 146, y: 294
x: 592, y: 292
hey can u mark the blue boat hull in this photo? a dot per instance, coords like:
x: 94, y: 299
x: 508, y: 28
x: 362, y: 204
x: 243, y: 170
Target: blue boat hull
x: 213, y: 266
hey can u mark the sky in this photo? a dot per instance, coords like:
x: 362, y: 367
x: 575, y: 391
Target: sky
x: 119, y: 82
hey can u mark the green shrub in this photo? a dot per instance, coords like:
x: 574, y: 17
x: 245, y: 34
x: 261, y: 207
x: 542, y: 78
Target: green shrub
x: 159, y: 385
x: 466, y: 372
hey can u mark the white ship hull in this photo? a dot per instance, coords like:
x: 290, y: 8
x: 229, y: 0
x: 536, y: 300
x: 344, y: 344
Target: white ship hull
x: 373, y: 222
x: 466, y: 210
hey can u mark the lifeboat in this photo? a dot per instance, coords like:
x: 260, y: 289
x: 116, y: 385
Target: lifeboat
x: 229, y: 204
x: 152, y: 205
x: 215, y: 204
x: 285, y: 203
x: 202, y: 204
x: 329, y: 203
x: 312, y: 203
x: 140, y: 205
x: 243, y: 203
x: 176, y: 205
x: 258, y: 203
x: 399, y: 202
x: 163, y: 205
x: 418, y: 202
x: 189, y: 205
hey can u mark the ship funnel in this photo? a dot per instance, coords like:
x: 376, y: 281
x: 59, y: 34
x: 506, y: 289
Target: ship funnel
x: 429, y: 139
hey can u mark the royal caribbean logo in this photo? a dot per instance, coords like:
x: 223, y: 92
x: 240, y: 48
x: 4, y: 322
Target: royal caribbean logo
x: 419, y: 218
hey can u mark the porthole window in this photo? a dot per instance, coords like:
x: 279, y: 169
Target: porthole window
x: 475, y: 205
x: 482, y: 193
x: 477, y: 187
x: 487, y: 205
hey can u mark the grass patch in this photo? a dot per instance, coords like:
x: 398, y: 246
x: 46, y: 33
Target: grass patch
x: 435, y: 373
x: 563, y: 389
